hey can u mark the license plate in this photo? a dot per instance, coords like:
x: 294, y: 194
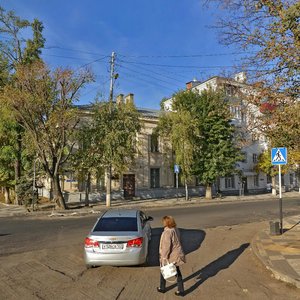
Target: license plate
x: 112, y: 246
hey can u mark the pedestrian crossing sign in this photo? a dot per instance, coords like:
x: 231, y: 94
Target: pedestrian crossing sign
x: 279, y: 156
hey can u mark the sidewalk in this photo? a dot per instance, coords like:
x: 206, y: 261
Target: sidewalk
x: 281, y: 253
x: 78, y: 208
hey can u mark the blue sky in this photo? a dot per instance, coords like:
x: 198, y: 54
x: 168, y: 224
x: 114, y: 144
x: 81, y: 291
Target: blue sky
x: 159, y: 44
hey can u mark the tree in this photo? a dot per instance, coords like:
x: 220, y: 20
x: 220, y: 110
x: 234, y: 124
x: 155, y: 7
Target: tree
x: 264, y: 164
x: 217, y: 153
x: 7, y: 154
x: 269, y: 33
x: 207, y: 148
x: 83, y: 161
x: 14, y: 51
x: 179, y: 128
x: 43, y: 101
x: 112, y: 139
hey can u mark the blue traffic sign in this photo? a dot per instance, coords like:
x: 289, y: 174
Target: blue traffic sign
x: 279, y: 156
x: 176, y: 169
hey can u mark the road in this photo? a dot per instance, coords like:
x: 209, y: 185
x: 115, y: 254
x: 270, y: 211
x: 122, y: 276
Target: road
x: 17, y: 234
x: 42, y: 258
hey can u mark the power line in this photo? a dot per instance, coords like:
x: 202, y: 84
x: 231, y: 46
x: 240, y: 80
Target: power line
x: 145, y: 81
x: 159, y: 74
x: 73, y: 50
x: 91, y: 62
x: 175, y: 66
x: 145, y: 74
x: 184, y: 56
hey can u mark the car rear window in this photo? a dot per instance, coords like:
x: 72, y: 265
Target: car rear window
x: 116, y: 224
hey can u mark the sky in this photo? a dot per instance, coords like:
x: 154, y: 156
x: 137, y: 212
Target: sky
x: 159, y: 44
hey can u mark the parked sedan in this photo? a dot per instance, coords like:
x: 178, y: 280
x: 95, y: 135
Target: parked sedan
x: 119, y: 238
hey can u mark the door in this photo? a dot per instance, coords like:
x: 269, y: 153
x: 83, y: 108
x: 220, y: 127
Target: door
x: 129, y: 185
x: 245, y: 185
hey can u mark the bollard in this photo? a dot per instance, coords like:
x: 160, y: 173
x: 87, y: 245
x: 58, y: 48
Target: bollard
x: 274, y: 228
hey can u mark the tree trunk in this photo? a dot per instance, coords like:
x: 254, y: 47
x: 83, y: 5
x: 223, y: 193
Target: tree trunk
x: 18, y: 163
x: 7, y: 195
x: 87, y: 189
x: 208, y: 192
x: 274, y: 185
x: 108, y: 186
x: 186, y: 190
x: 57, y: 193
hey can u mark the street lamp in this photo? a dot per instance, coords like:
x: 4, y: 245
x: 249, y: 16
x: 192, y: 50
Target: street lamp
x: 34, y: 183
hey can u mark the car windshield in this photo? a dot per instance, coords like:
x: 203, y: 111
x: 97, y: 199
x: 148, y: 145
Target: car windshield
x: 116, y: 224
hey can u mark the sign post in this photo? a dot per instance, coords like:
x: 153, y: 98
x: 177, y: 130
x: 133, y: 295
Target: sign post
x: 176, y: 171
x: 279, y: 157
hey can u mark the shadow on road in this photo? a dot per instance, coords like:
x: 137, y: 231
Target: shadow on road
x: 213, y: 268
x: 191, y: 240
x: 287, y: 229
x: 4, y: 234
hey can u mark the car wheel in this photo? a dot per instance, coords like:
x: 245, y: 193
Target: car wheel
x: 90, y: 267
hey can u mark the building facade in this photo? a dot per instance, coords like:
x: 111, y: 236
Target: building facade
x: 152, y: 175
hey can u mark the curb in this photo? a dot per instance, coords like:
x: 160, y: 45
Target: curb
x: 145, y: 204
x: 266, y: 263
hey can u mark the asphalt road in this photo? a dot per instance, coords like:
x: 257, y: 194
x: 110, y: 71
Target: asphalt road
x: 23, y: 234
x: 41, y: 258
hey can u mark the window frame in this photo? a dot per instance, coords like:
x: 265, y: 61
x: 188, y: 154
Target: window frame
x: 156, y: 178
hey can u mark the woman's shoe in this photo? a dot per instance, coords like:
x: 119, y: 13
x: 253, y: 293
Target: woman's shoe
x: 177, y: 293
x: 160, y: 290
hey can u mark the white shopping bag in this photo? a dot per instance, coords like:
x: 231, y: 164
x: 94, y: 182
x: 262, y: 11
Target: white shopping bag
x: 168, y: 270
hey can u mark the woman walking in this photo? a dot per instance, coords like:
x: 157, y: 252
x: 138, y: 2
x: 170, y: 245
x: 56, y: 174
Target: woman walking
x: 170, y: 249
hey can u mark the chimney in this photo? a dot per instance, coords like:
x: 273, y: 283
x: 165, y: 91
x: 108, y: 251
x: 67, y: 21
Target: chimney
x: 129, y: 98
x: 192, y: 83
x: 120, y: 98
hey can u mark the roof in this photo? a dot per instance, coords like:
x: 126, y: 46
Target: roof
x: 129, y: 213
x: 227, y: 79
x: 146, y: 112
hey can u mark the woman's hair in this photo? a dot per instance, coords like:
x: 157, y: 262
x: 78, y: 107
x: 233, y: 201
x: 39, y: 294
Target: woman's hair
x: 169, y: 221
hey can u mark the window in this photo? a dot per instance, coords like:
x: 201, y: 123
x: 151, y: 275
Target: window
x: 230, y: 90
x: 229, y: 182
x: 269, y: 179
x: 154, y: 178
x: 143, y: 219
x: 255, y: 158
x: 154, y: 143
x: 116, y: 224
x: 256, y: 180
x: 243, y: 117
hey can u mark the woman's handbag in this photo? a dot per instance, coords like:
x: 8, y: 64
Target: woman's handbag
x: 167, y: 270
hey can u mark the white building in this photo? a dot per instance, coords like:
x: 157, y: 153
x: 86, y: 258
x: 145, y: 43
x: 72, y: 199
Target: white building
x: 246, y: 180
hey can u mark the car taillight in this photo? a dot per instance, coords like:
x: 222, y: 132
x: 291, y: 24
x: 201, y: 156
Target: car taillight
x: 89, y: 243
x: 135, y: 243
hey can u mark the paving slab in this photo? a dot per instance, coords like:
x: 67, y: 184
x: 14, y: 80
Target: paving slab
x: 281, y: 253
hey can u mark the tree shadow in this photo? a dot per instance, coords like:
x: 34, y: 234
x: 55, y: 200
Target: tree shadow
x: 213, y: 268
x: 191, y: 240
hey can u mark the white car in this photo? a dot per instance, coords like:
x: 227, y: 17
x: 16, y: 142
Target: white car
x: 119, y: 238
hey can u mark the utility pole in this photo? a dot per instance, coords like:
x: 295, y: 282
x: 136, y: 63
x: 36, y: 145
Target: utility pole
x: 111, y: 96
